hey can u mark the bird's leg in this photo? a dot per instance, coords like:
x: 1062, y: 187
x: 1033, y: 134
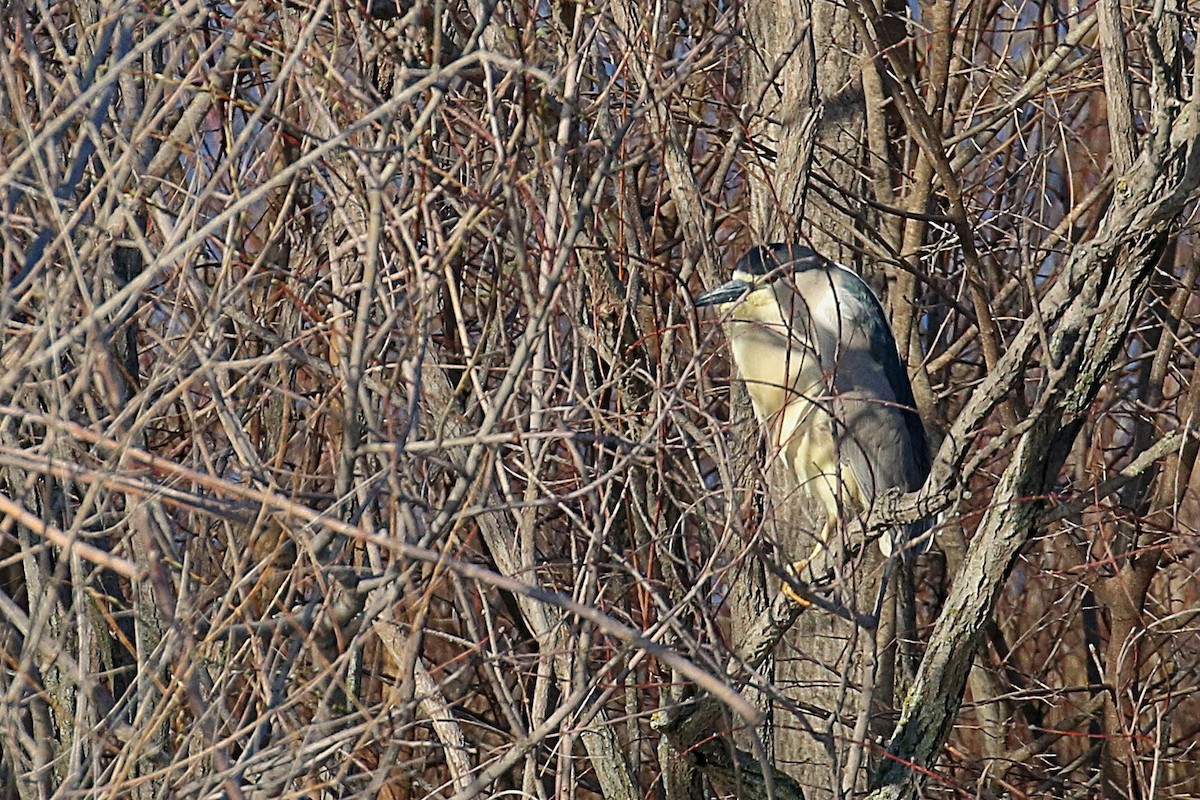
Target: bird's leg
x: 796, y: 568
x: 793, y: 574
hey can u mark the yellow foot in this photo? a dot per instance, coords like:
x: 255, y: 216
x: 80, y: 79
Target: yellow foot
x: 793, y: 571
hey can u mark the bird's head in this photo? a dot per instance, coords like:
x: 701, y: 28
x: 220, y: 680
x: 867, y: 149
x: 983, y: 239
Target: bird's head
x: 756, y: 273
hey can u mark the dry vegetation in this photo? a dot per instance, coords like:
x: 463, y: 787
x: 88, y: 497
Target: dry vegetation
x: 358, y: 437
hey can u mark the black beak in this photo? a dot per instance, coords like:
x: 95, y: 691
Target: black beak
x: 725, y: 293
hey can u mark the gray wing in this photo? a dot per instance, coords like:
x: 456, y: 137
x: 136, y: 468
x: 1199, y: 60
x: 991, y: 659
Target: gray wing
x: 869, y: 399
x: 874, y: 442
x: 880, y: 435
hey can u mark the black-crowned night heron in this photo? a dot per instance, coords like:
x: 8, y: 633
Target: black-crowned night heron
x: 812, y: 344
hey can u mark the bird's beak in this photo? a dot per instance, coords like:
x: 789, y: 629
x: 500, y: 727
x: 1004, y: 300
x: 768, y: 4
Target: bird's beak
x: 725, y: 293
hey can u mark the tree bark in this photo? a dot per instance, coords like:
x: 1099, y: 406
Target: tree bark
x: 1089, y: 311
x: 807, y: 117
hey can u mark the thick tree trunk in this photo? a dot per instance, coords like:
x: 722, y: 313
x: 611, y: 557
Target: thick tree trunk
x: 807, y: 116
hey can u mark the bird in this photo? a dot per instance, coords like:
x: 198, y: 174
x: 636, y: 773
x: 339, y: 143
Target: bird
x: 812, y: 344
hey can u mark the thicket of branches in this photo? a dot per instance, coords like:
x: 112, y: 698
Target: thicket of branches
x: 358, y: 436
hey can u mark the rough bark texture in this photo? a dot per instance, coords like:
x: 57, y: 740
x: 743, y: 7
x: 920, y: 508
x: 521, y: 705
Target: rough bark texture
x: 1110, y: 274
